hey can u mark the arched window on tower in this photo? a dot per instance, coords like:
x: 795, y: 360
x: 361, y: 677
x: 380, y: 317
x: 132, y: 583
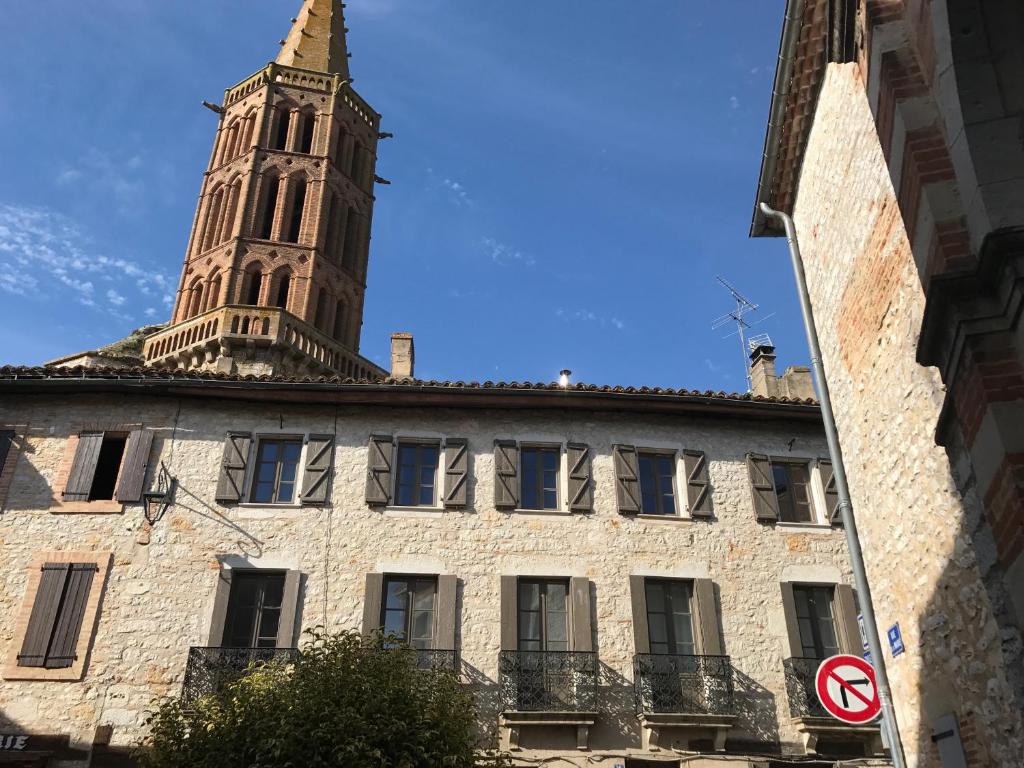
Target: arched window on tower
x: 231, y: 197
x: 248, y: 130
x: 284, y: 284
x: 211, y: 228
x: 336, y: 211
x: 298, y: 206
x: 340, y: 321
x: 322, y: 304
x: 212, y: 292
x: 268, y: 205
x: 233, y: 140
x: 282, y: 122
x: 195, y: 298
x: 353, y: 227
x: 252, y: 285
x: 307, y: 130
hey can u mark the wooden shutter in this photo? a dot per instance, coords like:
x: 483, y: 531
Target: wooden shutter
x: 69, y: 621
x: 447, y: 597
x: 698, y: 484
x: 627, y: 483
x: 579, y: 591
x: 6, y: 442
x: 83, y: 468
x: 706, y: 618
x: 762, y: 487
x: 134, y: 466
x: 57, y: 613
x: 230, y: 484
x: 581, y: 491
x: 378, y: 470
x: 220, y: 608
x: 844, y: 606
x: 506, y: 474
x: 372, y: 599
x: 638, y: 599
x: 509, y: 613
x: 828, y: 483
x: 796, y: 647
x: 456, y: 473
x: 316, y: 474
x: 44, y: 615
x: 289, y: 609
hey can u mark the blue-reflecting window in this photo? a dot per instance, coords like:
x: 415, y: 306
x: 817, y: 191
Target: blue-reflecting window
x: 416, y: 475
x: 277, y: 466
x: 540, y: 478
x: 657, y: 494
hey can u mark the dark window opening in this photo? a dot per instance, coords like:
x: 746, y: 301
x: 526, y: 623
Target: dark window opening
x: 408, y: 611
x: 816, y: 621
x: 656, y: 484
x: 108, y: 465
x: 284, y: 117
x: 282, y: 292
x: 417, y: 470
x: 254, y: 610
x: 339, y: 321
x: 252, y: 295
x: 349, y: 256
x: 792, y: 489
x: 269, y: 207
x: 277, y: 464
x: 543, y: 615
x: 298, y: 206
x: 670, y: 616
x: 308, y: 126
x: 540, y: 478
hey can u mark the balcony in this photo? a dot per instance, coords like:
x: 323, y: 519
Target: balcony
x: 208, y: 670
x: 437, y: 660
x: 691, y: 695
x: 547, y: 688
x: 813, y: 723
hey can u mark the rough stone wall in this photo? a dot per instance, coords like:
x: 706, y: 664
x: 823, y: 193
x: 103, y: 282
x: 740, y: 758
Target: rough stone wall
x: 914, y: 525
x: 159, y: 595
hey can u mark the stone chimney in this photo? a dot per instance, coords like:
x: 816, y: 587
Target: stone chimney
x: 797, y: 383
x: 403, y: 356
x: 762, y: 371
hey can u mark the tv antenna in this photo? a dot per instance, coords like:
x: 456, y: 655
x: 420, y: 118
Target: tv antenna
x: 743, y: 307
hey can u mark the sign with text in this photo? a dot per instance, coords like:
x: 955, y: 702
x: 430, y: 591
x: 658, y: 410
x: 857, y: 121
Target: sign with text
x: 16, y: 743
x: 895, y: 640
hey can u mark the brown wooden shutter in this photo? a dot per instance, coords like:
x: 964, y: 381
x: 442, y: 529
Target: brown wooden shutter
x: 456, y: 473
x: 44, y: 615
x: 581, y: 490
x: 579, y: 591
x: 316, y: 475
x: 506, y: 474
x: 638, y: 599
x: 289, y: 609
x: 83, y: 467
x: 847, y: 627
x: 706, y: 618
x: 220, y: 607
x: 828, y: 483
x: 447, y: 598
x: 796, y: 648
x: 378, y: 470
x: 134, y: 466
x: 698, y: 484
x: 372, y: 600
x: 6, y: 442
x: 627, y: 483
x: 69, y: 621
x: 509, y: 613
x: 762, y: 487
x: 230, y: 484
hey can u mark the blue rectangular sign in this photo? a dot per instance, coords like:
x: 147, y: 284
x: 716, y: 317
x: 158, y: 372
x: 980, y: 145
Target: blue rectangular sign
x: 895, y: 639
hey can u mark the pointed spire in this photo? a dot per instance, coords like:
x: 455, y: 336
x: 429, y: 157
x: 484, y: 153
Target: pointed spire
x: 317, y: 39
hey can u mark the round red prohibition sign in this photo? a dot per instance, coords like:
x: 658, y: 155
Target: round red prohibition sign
x: 847, y: 689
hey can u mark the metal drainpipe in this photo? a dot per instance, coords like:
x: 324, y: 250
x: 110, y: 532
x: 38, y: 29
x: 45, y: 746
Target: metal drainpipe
x: 860, y: 576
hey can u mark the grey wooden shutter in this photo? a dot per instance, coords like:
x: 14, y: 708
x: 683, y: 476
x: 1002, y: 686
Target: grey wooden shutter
x: 378, y: 470
x: 372, y: 602
x: 220, y: 607
x: 134, y: 467
x: 796, y: 647
x: 230, y: 484
x: 828, y: 483
x: 627, y: 483
x: 762, y: 487
x: 456, y: 473
x: 447, y: 595
x: 316, y: 474
x: 579, y: 591
x: 69, y: 621
x: 289, y: 610
x: 698, y: 484
x: 847, y: 626
x: 44, y: 615
x: 83, y: 467
x: 581, y: 491
x: 706, y: 618
x: 509, y: 613
x: 638, y: 599
x: 6, y: 441
x: 506, y: 474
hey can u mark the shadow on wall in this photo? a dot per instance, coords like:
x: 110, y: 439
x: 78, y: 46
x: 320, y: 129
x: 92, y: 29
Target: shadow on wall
x: 756, y: 716
x: 33, y: 490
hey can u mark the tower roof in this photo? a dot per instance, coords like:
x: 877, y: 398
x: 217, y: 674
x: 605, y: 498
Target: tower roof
x: 317, y: 39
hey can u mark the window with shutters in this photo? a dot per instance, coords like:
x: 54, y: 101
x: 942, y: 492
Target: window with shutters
x: 408, y: 609
x: 254, y: 609
x: 657, y: 482
x: 670, y: 616
x: 792, y: 483
x: 416, y: 474
x: 543, y: 615
x: 540, y: 472
x: 276, y: 471
x: 104, y: 468
x: 815, y: 617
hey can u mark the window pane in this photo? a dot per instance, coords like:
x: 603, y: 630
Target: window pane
x: 657, y: 627
x: 530, y: 479
x: 285, y: 493
x: 424, y: 598
x: 557, y: 631
x: 405, y: 494
x: 394, y: 623
x: 655, y: 595
x: 556, y: 597
x: 682, y: 628
x: 529, y: 625
x: 269, y: 623
x: 263, y: 493
x: 648, y: 485
x: 422, y: 625
x: 550, y: 499
x: 397, y: 590
x: 529, y: 596
x: 529, y: 645
x: 292, y: 449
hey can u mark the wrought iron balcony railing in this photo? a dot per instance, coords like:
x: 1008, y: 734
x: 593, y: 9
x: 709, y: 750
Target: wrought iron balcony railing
x: 439, y: 660
x: 548, y: 681
x: 803, y: 700
x: 209, y: 669
x: 676, y: 684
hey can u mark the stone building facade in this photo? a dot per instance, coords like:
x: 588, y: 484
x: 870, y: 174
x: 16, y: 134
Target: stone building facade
x: 895, y: 142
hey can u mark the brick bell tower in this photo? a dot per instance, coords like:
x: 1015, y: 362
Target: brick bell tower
x: 274, y: 276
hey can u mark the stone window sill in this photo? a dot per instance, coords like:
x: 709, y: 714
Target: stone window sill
x: 665, y: 518
x: 541, y: 512
x: 423, y: 511
x: 100, y: 507
x: 804, y: 528
x: 41, y: 674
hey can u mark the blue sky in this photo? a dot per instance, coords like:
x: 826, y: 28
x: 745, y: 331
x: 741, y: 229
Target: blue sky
x: 569, y: 176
